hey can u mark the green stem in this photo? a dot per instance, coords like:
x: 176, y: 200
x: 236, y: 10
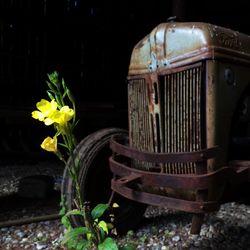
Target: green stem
x: 73, y: 168
x: 86, y: 216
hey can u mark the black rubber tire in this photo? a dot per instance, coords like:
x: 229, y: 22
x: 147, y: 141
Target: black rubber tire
x: 95, y: 180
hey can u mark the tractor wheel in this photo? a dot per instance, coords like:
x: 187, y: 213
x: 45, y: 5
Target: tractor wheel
x: 95, y: 181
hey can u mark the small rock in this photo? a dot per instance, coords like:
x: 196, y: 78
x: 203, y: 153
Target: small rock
x: 8, y: 239
x: 40, y: 246
x: 39, y: 235
x: 194, y: 236
x: 4, y: 229
x: 211, y: 229
x: 203, y: 231
x: 197, y: 243
x: 20, y: 234
x: 24, y: 240
x: 176, y: 238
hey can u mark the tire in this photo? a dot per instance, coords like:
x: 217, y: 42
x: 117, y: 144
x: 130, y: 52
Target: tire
x: 95, y: 181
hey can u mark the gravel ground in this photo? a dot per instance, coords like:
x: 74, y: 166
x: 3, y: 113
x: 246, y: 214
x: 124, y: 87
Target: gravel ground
x: 161, y: 228
x: 229, y: 228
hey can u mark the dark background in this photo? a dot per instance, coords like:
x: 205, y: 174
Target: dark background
x: 89, y: 43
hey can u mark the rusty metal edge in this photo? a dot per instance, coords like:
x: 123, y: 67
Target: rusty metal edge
x: 159, y: 200
x: 194, y: 182
x: 133, y: 153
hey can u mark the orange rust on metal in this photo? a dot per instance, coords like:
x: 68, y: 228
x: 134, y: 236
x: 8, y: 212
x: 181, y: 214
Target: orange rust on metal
x: 125, y: 176
x: 134, y: 153
x: 160, y: 200
x: 193, y: 182
x: 185, y: 81
x: 175, y: 44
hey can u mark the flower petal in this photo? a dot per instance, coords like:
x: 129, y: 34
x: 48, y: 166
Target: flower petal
x: 48, y: 121
x: 49, y: 144
x: 63, y: 116
x: 68, y: 113
x: 38, y: 115
x: 46, y: 107
x: 53, y: 104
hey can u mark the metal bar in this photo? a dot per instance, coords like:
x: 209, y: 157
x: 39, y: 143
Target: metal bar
x: 29, y: 220
x: 193, y: 182
x: 133, y: 153
x: 159, y: 200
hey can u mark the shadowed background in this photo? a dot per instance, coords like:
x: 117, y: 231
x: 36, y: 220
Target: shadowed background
x: 89, y: 43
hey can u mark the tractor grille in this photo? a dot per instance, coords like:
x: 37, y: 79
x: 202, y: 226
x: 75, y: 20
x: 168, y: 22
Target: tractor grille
x: 165, y: 116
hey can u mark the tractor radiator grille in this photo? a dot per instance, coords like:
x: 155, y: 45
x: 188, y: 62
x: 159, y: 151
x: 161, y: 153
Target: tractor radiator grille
x: 165, y: 116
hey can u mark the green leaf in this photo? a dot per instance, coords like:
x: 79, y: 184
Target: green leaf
x: 64, y: 94
x: 74, y: 212
x: 83, y: 244
x: 98, y: 210
x: 102, y: 235
x: 75, y: 124
x: 104, y: 226
x: 66, y: 222
x: 50, y: 95
x: 62, y: 206
x: 58, y: 100
x: 53, y: 77
x: 51, y: 87
x: 70, y: 96
x: 63, y: 145
x: 71, y: 235
x: 62, y: 211
x: 108, y: 244
x: 64, y: 84
x: 78, y: 231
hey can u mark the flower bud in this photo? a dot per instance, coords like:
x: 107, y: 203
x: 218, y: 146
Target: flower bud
x: 49, y: 144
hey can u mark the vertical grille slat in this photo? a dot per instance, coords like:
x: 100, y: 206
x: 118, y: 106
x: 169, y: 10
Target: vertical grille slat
x: 169, y: 122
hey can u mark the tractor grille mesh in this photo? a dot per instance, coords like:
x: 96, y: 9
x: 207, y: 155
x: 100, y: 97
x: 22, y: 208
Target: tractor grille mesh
x: 165, y: 116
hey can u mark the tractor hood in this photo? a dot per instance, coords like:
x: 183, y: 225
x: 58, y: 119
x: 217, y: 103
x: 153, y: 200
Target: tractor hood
x: 175, y: 44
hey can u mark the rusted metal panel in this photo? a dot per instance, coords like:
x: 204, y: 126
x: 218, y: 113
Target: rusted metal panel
x: 175, y: 44
x: 184, y: 84
x: 165, y: 114
x: 141, y: 185
x: 222, y: 103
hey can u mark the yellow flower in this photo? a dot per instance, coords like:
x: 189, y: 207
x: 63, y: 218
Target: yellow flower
x: 46, y: 109
x: 49, y: 144
x: 68, y: 113
x: 63, y: 116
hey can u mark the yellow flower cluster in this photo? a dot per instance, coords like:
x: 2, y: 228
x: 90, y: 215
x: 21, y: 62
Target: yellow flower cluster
x: 48, y: 113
